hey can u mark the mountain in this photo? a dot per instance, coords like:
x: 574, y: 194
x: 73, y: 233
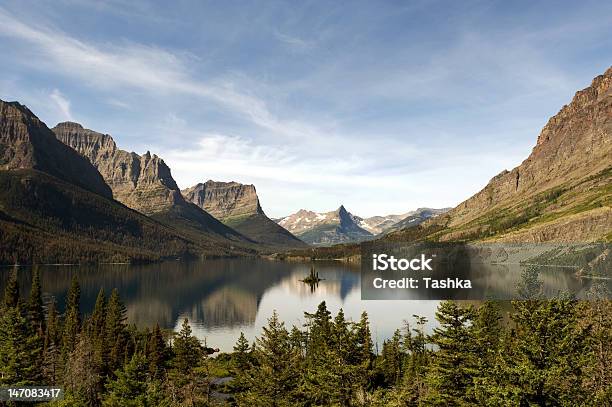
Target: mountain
x: 327, y: 228
x: 415, y: 218
x: 237, y: 205
x: 379, y: 224
x: 384, y: 224
x: 56, y: 208
x: 144, y: 183
x: 26, y: 143
x: 561, y: 192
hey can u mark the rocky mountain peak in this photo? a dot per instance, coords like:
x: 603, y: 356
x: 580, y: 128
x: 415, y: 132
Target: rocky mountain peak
x: 27, y: 143
x: 143, y: 183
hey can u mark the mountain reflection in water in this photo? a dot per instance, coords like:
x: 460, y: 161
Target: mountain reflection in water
x: 223, y: 297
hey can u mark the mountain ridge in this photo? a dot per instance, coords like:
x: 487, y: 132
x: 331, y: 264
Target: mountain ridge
x: 144, y: 183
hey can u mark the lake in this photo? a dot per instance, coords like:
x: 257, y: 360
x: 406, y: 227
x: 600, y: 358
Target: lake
x: 224, y: 297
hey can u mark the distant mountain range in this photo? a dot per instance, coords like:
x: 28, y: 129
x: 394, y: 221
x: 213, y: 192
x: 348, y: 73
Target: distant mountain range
x: 340, y: 226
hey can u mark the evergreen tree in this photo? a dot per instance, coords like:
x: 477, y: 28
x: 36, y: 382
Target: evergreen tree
x: 544, y: 364
x: 20, y: 350
x: 72, y: 319
x: 597, y: 314
x: 412, y: 387
x: 274, y: 381
x: 115, y: 331
x: 11, y: 291
x: 131, y: 387
x: 454, y: 363
x: 157, y: 353
x: 392, y: 359
x: 187, y: 349
x: 241, y: 352
x: 51, y: 347
x: 35, y: 305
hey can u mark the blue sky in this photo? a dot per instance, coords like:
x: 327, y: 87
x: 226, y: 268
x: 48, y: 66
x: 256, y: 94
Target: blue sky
x: 381, y: 106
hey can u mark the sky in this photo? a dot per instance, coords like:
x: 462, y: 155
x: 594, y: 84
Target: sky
x: 383, y: 106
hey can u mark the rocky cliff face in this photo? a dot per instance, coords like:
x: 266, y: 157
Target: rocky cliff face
x: 27, y: 143
x: 327, y: 228
x: 561, y: 192
x: 574, y: 143
x: 225, y: 200
x: 142, y: 182
x: 237, y: 205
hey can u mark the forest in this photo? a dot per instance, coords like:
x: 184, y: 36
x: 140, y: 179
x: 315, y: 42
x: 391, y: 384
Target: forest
x: 532, y: 352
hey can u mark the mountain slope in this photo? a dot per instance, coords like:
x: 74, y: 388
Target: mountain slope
x: 144, y: 183
x: 237, y: 205
x: 55, y: 207
x: 561, y: 192
x: 328, y: 228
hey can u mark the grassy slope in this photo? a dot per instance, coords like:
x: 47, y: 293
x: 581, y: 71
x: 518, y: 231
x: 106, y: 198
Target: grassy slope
x: 265, y: 231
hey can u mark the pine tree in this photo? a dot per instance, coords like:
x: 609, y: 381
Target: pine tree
x: 241, y: 352
x: 392, y: 359
x: 412, y: 388
x: 273, y: 382
x: 157, y: 353
x: 72, y: 319
x: 130, y: 388
x: 454, y: 363
x: 11, y: 291
x: 544, y: 364
x: 115, y: 331
x: 51, y: 347
x: 597, y: 314
x: 35, y: 305
x: 187, y: 349
x: 20, y: 350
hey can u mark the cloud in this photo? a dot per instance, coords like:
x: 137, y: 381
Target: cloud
x: 63, y: 104
x: 147, y: 68
x: 295, y: 43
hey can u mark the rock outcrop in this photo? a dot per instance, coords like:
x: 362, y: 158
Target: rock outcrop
x: 237, y: 205
x: 225, y: 200
x: 143, y: 182
x: 27, y: 143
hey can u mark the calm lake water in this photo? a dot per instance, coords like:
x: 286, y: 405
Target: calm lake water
x: 221, y: 298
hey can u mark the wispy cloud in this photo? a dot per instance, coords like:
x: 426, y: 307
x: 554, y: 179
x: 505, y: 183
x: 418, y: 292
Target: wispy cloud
x: 62, y: 104
x: 138, y: 66
x: 295, y: 43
